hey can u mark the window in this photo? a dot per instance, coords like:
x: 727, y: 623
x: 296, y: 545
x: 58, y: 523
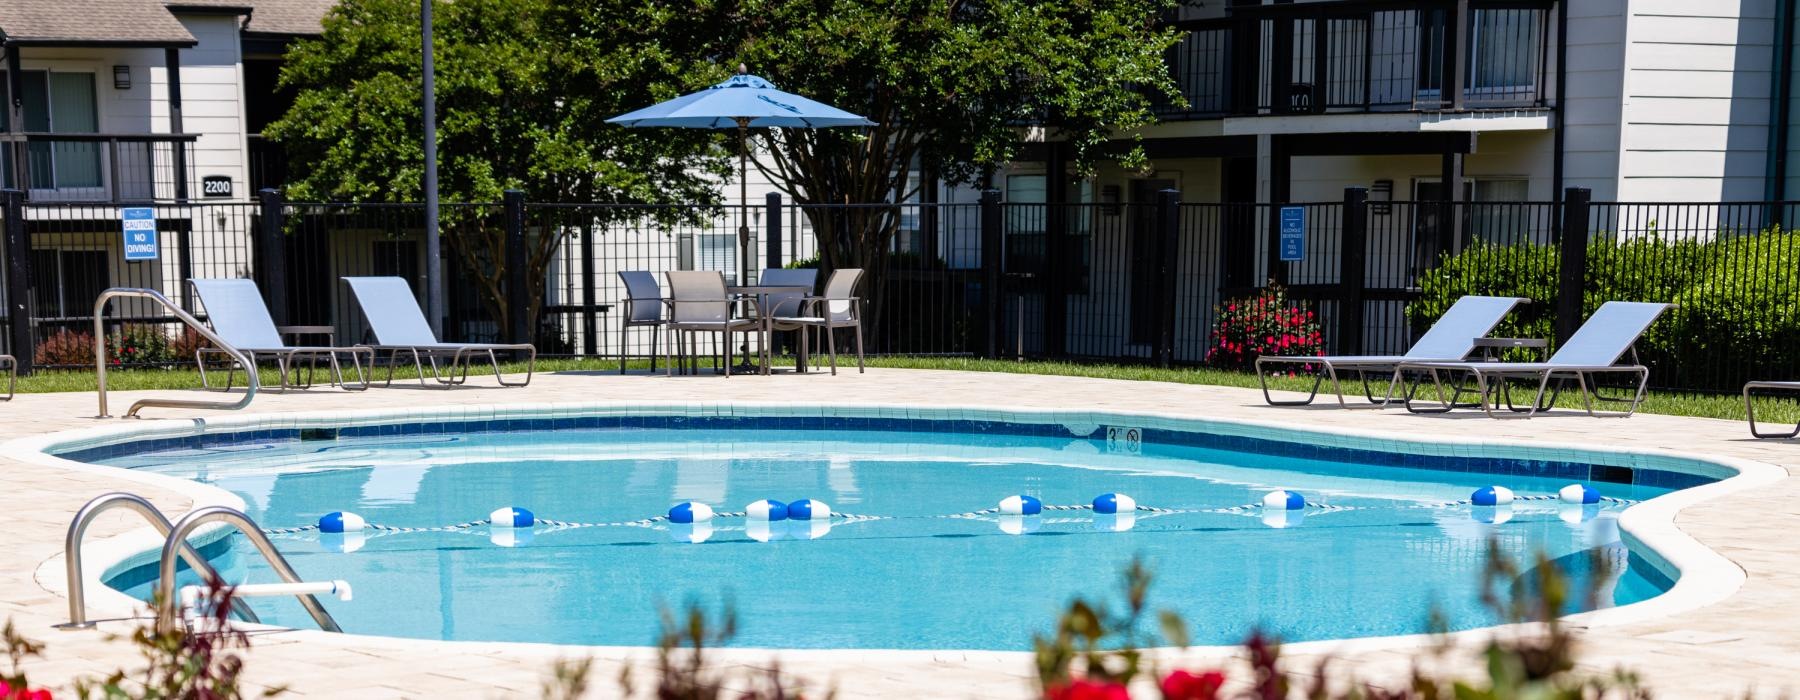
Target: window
x: 1503, y: 52
x: 65, y: 283
x: 1497, y: 216
x: 1026, y: 223
x: 63, y: 103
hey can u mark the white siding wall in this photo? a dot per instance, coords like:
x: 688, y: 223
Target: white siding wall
x: 212, y: 100
x: 1596, y: 36
x: 1696, y: 109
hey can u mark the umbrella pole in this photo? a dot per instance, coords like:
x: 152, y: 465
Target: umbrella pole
x: 743, y: 200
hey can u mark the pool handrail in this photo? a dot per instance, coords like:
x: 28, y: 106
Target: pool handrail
x: 137, y: 504
x: 168, y: 607
x: 252, y: 386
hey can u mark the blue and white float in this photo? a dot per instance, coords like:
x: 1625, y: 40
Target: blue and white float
x: 1113, y: 504
x: 1580, y: 494
x: 1021, y: 505
x: 766, y: 510
x: 337, y: 522
x: 690, y: 512
x: 808, y: 509
x: 511, y: 516
x: 1491, y: 496
x: 1283, y: 500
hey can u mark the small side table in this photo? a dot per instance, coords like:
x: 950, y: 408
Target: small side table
x: 1490, y: 348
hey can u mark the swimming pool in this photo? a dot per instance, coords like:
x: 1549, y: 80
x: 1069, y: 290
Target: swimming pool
x: 918, y: 566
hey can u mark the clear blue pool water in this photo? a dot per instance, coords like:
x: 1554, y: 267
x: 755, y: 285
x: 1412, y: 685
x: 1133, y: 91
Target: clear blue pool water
x: 909, y: 582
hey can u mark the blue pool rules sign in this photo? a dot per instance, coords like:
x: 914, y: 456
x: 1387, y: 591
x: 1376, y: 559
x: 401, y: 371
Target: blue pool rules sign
x: 140, y: 232
x: 1293, y: 234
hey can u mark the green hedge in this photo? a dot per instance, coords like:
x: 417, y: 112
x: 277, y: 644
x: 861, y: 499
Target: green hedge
x: 1737, y: 297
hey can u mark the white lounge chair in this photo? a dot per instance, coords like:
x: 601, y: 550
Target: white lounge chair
x: 1452, y: 338
x: 400, y: 327
x: 1750, y: 408
x: 1596, y: 349
x: 235, y: 310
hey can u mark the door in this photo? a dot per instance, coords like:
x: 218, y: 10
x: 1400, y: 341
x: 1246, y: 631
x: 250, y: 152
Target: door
x: 1144, y: 258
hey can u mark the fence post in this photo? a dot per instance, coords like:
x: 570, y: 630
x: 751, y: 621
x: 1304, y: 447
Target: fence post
x: 18, y: 280
x: 772, y: 232
x: 1572, y: 266
x: 1168, y: 244
x: 992, y: 248
x: 271, y: 257
x: 1352, y: 271
x: 518, y: 294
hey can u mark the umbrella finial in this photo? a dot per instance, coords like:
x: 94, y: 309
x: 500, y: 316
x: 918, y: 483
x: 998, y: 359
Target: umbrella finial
x: 743, y: 69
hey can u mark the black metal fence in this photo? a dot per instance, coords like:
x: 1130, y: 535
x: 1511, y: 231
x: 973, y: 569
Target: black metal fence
x: 1127, y: 282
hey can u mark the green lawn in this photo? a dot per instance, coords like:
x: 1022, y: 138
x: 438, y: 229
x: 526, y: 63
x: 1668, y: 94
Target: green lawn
x: 1728, y: 407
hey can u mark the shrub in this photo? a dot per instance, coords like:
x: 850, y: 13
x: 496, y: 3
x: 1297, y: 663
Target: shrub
x: 138, y: 344
x: 66, y: 347
x: 185, y: 344
x: 1266, y: 324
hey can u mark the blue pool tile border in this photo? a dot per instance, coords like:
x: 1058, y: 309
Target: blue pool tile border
x: 1506, y: 466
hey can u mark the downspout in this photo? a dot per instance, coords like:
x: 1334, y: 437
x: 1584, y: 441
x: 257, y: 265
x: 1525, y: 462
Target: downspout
x: 1780, y: 109
x: 1562, y: 108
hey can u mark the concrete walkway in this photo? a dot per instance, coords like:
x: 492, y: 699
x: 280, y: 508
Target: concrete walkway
x: 1749, y: 640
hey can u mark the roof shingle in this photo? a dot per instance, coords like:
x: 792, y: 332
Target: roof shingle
x: 91, y: 21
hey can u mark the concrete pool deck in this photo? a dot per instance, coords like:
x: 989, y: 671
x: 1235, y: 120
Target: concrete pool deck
x: 1735, y: 641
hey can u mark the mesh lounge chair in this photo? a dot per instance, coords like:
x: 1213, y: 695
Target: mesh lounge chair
x: 1451, y: 339
x: 234, y: 308
x: 1750, y: 408
x: 400, y: 327
x: 698, y: 304
x: 643, y: 309
x: 1595, y: 349
x: 839, y: 307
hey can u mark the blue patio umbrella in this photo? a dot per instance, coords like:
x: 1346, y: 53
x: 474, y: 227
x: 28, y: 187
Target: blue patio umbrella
x: 744, y: 101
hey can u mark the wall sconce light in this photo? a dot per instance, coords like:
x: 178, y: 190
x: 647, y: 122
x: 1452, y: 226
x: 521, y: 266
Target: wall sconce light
x: 122, y: 77
x: 1380, y: 194
x: 1109, y: 198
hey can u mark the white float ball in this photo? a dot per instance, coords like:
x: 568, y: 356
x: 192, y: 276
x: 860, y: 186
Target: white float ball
x: 511, y: 516
x: 340, y: 522
x: 1114, y: 503
x: 1283, y: 500
x: 1579, y: 493
x: 1492, y: 496
x: 690, y: 512
x: 766, y: 510
x: 1021, y: 505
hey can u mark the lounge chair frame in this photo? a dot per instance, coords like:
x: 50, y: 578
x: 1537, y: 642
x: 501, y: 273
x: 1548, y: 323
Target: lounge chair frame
x: 1750, y: 408
x: 449, y: 361
x: 264, y: 341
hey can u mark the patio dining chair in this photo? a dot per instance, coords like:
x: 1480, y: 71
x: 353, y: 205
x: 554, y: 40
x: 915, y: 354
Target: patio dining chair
x: 644, y: 308
x: 1452, y: 338
x: 12, y: 375
x: 400, y: 328
x: 698, y: 304
x: 235, y: 310
x: 1595, y: 350
x: 838, y: 307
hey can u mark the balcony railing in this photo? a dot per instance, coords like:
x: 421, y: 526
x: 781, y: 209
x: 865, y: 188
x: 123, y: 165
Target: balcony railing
x: 116, y: 168
x: 1352, y: 56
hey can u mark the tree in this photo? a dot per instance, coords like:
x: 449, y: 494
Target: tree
x: 524, y: 88
x: 953, y: 86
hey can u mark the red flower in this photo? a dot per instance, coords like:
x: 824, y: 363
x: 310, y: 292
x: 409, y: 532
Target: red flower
x: 1182, y: 685
x: 1080, y: 689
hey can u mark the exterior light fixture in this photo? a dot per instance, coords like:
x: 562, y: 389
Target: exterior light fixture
x: 122, y: 77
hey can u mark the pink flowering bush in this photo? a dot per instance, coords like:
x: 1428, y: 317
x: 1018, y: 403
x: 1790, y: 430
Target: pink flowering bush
x: 1266, y: 324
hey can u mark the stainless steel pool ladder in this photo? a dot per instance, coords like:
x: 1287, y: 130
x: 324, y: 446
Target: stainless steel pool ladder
x: 175, y: 545
x: 174, y: 309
